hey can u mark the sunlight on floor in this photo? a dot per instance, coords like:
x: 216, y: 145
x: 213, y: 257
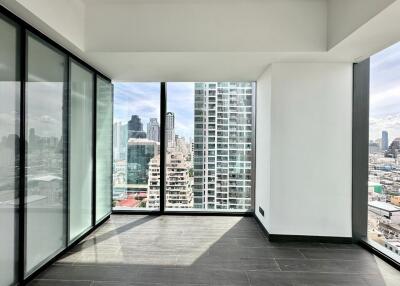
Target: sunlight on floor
x: 152, y: 241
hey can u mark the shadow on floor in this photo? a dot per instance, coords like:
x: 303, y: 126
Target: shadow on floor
x: 190, y: 250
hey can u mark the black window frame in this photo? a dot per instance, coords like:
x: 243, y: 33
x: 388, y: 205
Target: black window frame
x: 360, y: 155
x: 162, y: 210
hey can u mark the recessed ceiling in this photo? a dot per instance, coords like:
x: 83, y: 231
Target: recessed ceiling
x: 193, y: 40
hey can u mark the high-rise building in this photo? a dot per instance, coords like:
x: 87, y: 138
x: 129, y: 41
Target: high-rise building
x: 153, y: 130
x: 140, y: 152
x: 222, y: 145
x: 120, y: 141
x: 170, y: 129
x: 385, y: 140
x: 135, y: 128
x: 178, y: 184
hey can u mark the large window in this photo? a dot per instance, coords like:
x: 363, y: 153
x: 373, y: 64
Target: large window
x: 384, y: 150
x: 46, y: 88
x: 104, y: 126
x: 208, y: 133
x: 47, y: 129
x: 209, y: 146
x: 80, y: 150
x: 136, y: 165
x: 9, y: 149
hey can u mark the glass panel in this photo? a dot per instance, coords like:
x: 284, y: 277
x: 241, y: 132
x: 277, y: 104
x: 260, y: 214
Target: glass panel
x: 209, y: 153
x: 136, y: 176
x: 80, y: 154
x: 45, y: 152
x: 384, y: 150
x: 9, y: 149
x: 103, y: 148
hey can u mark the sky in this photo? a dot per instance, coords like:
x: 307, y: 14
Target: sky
x: 385, y: 93
x: 143, y: 99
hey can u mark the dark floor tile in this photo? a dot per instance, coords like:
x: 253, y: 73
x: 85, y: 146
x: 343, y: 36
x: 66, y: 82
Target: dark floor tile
x: 327, y: 266
x: 256, y: 252
x: 339, y: 254
x: 90, y: 272
x: 341, y: 245
x: 172, y: 276
x: 260, y: 278
x: 204, y: 251
x: 40, y: 282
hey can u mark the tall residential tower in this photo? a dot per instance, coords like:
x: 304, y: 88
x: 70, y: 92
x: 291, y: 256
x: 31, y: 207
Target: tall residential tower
x: 222, y: 145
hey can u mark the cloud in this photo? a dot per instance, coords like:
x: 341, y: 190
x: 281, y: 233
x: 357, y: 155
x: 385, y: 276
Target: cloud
x: 143, y: 99
x: 385, y: 93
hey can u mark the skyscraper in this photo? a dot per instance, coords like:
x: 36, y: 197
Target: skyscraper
x: 153, y: 130
x: 135, y: 128
x: 120, y: 141
x: 385, y: 140
x: 170, y: 129
x: 222, y: 145
x: 140, y: 152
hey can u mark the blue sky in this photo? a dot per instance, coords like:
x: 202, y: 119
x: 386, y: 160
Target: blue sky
x: 143, y: 99
x: 385, y: 93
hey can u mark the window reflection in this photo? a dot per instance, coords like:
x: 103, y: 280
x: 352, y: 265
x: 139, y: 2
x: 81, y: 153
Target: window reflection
x: 45, y: 152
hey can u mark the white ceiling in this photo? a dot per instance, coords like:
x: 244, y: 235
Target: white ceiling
x: 195, y: 40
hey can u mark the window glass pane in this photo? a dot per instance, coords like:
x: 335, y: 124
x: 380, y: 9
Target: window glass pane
x: 209, y: 153
x: 9, y: 149
x: 103, y: 148
x: 384, y: 150
x: 45, y: 152
x: 136, y: 177
x: 80, y: 154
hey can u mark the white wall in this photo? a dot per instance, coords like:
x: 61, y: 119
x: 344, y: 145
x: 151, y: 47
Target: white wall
x: 263, y: 147
x: 310, y: 133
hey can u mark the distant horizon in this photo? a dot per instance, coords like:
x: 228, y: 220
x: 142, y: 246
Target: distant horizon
x: 385, y: 93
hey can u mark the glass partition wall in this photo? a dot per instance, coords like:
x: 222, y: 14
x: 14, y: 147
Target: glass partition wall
x: 45, y: 192
x: 384, y: 151
x: 80, y: 150
x: 206, y: 132
x: 55, y: 186
x: 9, y: 149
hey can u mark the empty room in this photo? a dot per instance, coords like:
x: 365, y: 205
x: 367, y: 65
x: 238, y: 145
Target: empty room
x: 199, y: 142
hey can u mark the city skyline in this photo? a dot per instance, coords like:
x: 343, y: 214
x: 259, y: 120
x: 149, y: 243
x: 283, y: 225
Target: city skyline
x: 385, y: 93
x: 127, y: 95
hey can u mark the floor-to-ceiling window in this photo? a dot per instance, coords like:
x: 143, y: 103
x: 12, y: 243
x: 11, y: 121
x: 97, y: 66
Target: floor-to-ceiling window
x: 384, y: 150
x: 45, y: 198
x: 80, y: 149
x: 48, y: 120
x: 208, y: 134
x: 104, y: 125
x: 9, y: 149
x: 136, y: 146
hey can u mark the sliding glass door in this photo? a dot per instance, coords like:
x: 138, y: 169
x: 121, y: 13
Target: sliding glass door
x: 80, y: 150
x: 9, y: 149
x: 45, y: 126
x: 104, y: 125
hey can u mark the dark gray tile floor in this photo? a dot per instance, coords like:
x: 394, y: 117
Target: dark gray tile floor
x: 206, y: 250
